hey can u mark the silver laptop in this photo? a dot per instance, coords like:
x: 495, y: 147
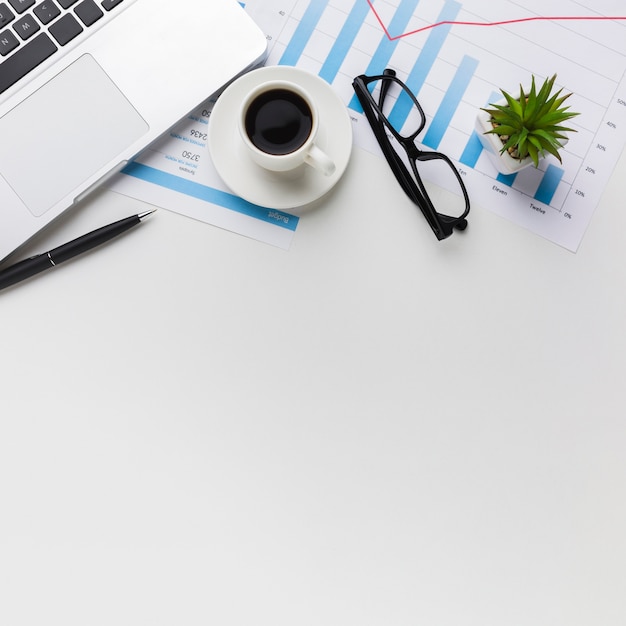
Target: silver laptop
x: 85, y: 85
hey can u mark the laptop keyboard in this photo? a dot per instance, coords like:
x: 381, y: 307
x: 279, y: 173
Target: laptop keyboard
x: 32, y: 31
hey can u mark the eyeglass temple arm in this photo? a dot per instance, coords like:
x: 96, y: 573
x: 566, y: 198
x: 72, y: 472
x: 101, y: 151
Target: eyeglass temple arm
x: 385, y: 86
x: 393, y: 159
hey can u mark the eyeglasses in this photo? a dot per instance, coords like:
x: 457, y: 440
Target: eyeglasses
x: 435, y: 166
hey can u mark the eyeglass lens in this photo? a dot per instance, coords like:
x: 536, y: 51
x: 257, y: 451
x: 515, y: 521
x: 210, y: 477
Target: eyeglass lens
x: 442, y: 186
x: 398, y: 107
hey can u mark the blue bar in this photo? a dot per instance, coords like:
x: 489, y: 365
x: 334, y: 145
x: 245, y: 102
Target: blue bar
x: 386, y: 47
x: 303, y: 33
x: 344, y: 40
x: 472, y: 152
x: 549, y: 184
x: 474, y: 148
x: 450, y: 102
x: 425, y: 62
x: 209, y: 194
x: 506, y: 179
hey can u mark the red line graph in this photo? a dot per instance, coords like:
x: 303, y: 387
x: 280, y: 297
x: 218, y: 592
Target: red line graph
x: 563, y: 18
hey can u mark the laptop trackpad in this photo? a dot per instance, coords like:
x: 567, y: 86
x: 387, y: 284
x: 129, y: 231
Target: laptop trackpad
x: 64, y: 132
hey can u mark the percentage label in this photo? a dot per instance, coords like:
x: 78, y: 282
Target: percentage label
x: 591, y: 170
x: 580, y: 193
x: 611, y: 124
x: 600, y: 147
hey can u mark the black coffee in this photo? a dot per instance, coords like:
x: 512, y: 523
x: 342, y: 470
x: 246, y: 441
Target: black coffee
x: 278, y: 121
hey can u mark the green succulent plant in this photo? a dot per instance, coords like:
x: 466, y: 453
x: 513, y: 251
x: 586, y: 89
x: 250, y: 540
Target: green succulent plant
x: 531, y: 124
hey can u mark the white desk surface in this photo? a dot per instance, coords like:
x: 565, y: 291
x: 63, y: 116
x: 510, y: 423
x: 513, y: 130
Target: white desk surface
x: 372, y: 428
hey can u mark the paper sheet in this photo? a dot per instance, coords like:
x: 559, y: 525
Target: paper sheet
x: 177, y: 174
x: 455, y: 56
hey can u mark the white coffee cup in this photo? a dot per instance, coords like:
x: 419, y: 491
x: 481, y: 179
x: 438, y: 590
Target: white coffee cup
x: 278, y: 123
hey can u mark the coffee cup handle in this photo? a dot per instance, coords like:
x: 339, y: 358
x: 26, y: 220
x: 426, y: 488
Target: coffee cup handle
x: 319, y: 160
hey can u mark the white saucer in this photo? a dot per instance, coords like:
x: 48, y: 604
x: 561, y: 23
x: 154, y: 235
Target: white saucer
x: 257, y: 185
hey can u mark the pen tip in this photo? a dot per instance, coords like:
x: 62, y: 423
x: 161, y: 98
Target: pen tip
x: 145, y: 213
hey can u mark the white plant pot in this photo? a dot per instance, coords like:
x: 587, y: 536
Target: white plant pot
x: 504, y: 162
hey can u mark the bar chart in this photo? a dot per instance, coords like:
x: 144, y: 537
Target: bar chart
x: 456, y: 57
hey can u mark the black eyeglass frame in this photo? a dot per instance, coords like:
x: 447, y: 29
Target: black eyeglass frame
x: 441, y: 224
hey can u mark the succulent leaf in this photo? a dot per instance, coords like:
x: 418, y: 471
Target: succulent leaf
x: 531, y: 123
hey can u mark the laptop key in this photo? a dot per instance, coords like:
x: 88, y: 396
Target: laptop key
x: 23, y: 60
x: 107, y: 5
x: 66, y: 4
x: 21, y: 5
x: 26, y: 27
x: 6, y: 15
x: 65, y: 29
x: 8, y: 42
x: 88, y: 12
x: 46, y: 11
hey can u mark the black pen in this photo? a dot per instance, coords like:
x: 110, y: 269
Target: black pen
x: 29, y: 267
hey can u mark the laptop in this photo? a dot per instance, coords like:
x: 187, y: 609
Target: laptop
x: 85, y: 85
